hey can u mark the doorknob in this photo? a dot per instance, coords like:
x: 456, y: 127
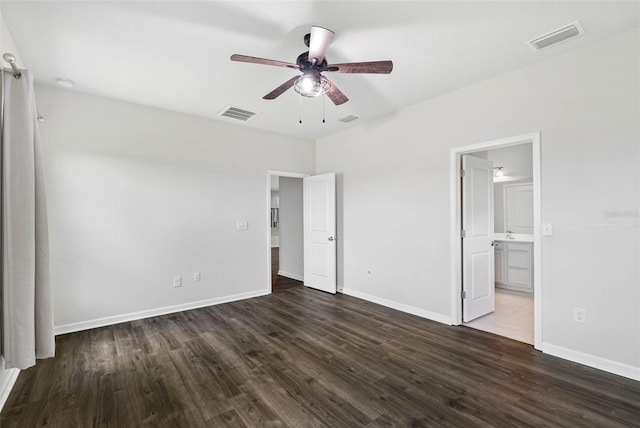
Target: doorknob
x: 331, y: 238
x: 494, y: 243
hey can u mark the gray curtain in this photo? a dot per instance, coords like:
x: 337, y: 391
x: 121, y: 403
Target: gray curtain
x: 27, y: 309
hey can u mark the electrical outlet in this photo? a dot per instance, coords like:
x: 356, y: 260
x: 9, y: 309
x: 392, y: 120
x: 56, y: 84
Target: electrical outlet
x: 177, y: 281
x: 579, y: 315
x: 196, y: 277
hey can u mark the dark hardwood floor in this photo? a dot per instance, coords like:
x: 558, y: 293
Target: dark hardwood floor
x: 303, y: 358
x: 278, y: 282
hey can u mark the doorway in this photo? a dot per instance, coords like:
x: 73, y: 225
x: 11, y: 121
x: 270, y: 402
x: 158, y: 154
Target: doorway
x: 318, y: 214
x: 286, y: 230
x: 516, y: 293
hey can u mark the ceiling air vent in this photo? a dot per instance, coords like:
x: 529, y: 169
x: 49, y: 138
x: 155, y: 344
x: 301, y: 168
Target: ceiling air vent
x: 348, y: 118
x: 551, y: 38
x: 237, y: 113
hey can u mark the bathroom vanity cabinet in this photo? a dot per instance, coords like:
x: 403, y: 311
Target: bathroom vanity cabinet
x: 514, y: 265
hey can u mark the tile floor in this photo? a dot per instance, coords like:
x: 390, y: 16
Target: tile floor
x: 513, y: 317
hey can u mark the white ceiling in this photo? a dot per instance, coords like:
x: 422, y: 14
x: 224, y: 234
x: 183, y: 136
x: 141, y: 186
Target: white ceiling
x: 175, y: 54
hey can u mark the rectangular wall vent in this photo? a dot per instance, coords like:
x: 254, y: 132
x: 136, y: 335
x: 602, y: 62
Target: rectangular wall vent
x: 237, y: 113
x: 348, y: 118
x: 554, y: 37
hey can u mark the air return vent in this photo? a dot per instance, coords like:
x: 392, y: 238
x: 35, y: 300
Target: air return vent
x: 348, y: 118
x: 237, y: 113
x: 554, y: 37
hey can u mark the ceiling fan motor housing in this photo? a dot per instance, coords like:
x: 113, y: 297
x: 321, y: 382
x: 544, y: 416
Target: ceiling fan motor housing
x: 307, y: 66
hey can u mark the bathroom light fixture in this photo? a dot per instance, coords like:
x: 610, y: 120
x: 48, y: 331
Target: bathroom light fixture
x: 497, y: 171
x: 312, y: 85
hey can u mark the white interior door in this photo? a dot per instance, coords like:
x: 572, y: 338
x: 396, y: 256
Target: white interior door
x: 478, y: 282
x: 320, y: 232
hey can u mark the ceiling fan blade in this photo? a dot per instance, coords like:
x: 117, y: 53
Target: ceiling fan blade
x: 336, y: 95
x: 321, y: 38
x: 281, y: 89
x: 254, y: 60
x: 375, y: 67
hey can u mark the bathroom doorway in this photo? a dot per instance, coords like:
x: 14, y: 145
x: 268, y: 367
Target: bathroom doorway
x: 508, y: 303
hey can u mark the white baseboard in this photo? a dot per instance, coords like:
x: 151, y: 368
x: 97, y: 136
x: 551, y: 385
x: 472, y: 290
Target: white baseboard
x: 398, y: 306
x: 600, y: 363
x: 291, y: 275
x: 116, y: 319
x: 8, y: 378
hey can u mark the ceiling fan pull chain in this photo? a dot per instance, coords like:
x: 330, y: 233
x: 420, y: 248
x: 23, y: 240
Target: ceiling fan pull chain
x: 323, y: 97
x: 300, y: 107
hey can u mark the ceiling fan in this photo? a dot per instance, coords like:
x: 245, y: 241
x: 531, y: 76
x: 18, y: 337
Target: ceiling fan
x: 312, y: 64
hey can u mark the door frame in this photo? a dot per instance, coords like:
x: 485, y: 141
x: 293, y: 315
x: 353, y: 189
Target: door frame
x: 270, y: 175
x: 456, y: 225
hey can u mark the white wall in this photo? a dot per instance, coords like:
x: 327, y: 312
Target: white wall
x: 291, y: 228
x: 8, y: 44
x: 395, y: 213
x: 516, y: 160
x: 498, y: 208
x: 139, y: 195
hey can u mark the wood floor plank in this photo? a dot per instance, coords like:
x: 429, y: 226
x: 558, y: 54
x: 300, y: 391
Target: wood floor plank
x: 254, y: 412
x: 303, y: 358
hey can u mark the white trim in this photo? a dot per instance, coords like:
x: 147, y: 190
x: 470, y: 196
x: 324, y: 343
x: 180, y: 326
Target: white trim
x: 9, y: 378
x: 537, y: 240
x: 455, y: 209
x: 423, y: 313
x: 116, y: 319
x: 599, y: 363
x: 272, y: 173
x: 291, y: 275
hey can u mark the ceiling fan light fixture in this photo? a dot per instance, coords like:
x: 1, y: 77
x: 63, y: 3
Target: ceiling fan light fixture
x: 312, y: 64
x: 312, y: 85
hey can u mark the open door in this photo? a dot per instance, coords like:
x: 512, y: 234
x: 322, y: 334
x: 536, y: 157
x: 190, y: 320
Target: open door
x: 320, y: 232
x: 478, y: 282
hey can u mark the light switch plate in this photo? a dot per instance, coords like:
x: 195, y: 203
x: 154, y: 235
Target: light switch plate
x: 242, y: 225
x: 547, y: 229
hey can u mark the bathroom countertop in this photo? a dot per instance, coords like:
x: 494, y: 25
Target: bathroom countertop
x: 517, y: 237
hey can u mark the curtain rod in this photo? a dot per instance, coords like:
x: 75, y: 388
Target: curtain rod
x: 11, y: 59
